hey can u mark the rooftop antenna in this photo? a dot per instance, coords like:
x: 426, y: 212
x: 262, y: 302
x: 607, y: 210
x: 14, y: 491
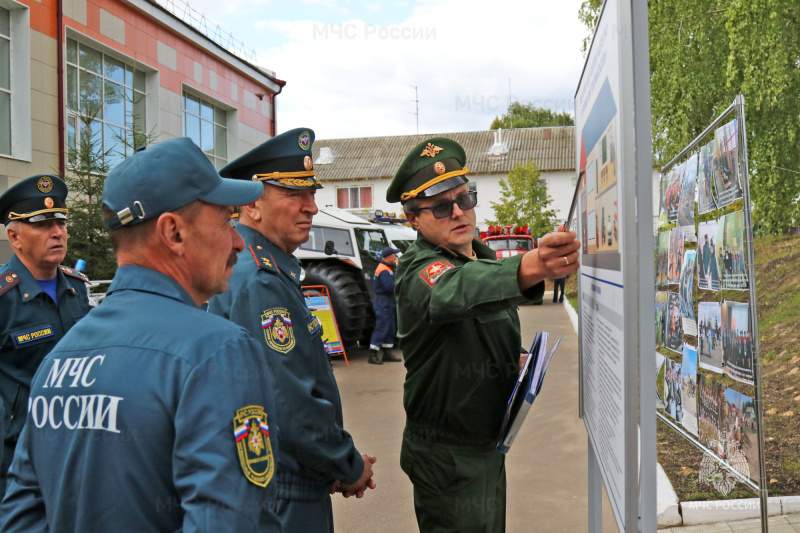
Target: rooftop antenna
x: 416, y: 102
x: 510, y: 115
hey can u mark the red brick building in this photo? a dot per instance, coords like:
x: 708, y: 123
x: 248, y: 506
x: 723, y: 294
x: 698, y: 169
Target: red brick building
x: 129, y: 64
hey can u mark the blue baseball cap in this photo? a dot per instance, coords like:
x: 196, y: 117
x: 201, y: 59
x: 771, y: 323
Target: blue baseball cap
x: 166, y: 176
x: 386, y: 252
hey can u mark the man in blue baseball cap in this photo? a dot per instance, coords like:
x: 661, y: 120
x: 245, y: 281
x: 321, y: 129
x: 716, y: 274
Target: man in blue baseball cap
x: 317, y: 454
x: 384, y: 306
x: 158, y: 408
x: 41, y: 300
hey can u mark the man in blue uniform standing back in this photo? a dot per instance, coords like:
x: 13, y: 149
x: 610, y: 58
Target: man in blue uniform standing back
x: 384, y: 306
x: 40, y: 299
x: 151, y: 414
x: 317, y: 455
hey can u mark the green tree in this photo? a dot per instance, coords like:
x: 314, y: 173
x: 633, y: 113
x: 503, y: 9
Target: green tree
x: 525, y: 201
x: 88, y: 235
x: 705, y: 52
x: 528, y: 116
x: 86, y: 175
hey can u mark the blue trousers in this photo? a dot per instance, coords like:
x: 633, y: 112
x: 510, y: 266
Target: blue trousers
x: 385, y: 323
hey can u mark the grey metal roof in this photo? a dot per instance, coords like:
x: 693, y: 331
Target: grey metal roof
x: 370, y: 158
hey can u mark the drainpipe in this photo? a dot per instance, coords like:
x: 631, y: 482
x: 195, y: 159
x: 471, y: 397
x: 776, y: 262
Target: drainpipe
x: 61, y: 107
x: 274, y: 128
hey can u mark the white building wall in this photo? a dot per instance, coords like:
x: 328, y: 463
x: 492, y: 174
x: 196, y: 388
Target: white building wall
x: 560, y: 185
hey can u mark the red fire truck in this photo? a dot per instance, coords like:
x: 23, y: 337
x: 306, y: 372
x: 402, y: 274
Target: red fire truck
x: 508, y: 240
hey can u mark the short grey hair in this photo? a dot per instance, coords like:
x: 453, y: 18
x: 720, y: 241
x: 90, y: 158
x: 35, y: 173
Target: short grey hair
x: 411, y: 205
x: 15, y: 225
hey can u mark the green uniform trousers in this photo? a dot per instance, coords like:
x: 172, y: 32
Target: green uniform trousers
x: 457, y: 488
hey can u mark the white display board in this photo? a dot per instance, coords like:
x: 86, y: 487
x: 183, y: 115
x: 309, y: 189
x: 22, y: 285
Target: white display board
x: 616, y: 257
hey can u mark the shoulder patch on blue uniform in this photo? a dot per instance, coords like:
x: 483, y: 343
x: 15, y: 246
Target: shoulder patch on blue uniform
x: 251, y: 432
x: 277, y: 326
x: 74, y: 273
x: 8, y: 280
x: 264, y: 263
x: 431, y: 273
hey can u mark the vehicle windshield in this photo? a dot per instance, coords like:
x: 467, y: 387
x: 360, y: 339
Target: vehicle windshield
x: 510, y: 244
x: 371, y: 242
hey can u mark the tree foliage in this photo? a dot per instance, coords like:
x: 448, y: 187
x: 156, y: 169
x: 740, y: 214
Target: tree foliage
x: 528, y: 116
x: 705, y: 52
x: 525, y: 201
x: 86, y: 175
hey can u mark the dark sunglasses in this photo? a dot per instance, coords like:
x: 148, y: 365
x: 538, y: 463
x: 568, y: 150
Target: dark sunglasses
x: 465, y: 202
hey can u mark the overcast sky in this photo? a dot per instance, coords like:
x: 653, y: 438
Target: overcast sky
x: 350, y: 64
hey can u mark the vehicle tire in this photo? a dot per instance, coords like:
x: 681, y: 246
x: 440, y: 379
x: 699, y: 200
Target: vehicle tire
x: 348, y: 297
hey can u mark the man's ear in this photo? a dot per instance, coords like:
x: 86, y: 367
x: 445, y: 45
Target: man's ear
x: 13, y: 237
x: 171, y: 230
x: 252, y: 211
x: 412, y: 219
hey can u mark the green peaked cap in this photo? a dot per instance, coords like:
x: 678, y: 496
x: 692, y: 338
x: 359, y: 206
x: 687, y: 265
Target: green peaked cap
x: 433, y: 166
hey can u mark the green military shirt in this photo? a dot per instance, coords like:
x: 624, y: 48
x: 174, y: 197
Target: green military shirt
x: 460, y: 333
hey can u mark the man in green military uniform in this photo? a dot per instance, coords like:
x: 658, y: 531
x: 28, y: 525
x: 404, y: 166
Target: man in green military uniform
x: 41, y: 300
x: 460, y: 334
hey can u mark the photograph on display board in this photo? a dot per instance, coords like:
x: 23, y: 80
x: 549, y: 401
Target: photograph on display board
x: 711, y: 414
x: 662, y: 258
x: 707, y: 268
x: 672, y: 390
x: 741, y: 433
x: 709, y: 336
x: 686, y: 292
x: 661, y: 318
x: 600, y: 203
x: 731, y: 252
x: 663, y: 212
x: 674, y: 191
x: 674, y: 324
x: 660, y: 380
x: 689, y: 388
x: 726, y: 164
x: 737, y: 341
x: 705, y: 179
x: 675, y: 256
x: 687, y: 202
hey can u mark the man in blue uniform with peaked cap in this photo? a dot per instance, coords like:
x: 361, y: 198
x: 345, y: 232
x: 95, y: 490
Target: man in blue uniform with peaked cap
x: 317, y: 455
x: 151, y: 414
x: 41, y: 300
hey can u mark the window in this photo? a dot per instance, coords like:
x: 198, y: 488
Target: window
x: 206, y: 124
x: 5, y: 81
x: 319, y: 236
x: 354, y: 197
x: 106, y: 103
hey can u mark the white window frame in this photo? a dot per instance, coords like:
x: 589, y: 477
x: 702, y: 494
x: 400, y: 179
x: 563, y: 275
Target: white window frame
x: 20, y: 80
x: 349, y: 196
x: 230, y: 124
x: 149, y: 94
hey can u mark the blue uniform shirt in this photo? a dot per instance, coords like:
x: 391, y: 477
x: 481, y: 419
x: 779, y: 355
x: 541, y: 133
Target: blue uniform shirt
x: 149, y: 415
x: 30, y: 325
x: 265, y: 297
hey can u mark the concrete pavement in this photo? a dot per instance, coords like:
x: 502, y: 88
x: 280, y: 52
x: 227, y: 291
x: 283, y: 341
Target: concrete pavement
x: 546, y: 467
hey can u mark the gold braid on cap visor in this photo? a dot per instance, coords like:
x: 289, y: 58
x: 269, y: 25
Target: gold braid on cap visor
x: 438, y: 179
x: 288, y: 178
x: 16, y: 216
